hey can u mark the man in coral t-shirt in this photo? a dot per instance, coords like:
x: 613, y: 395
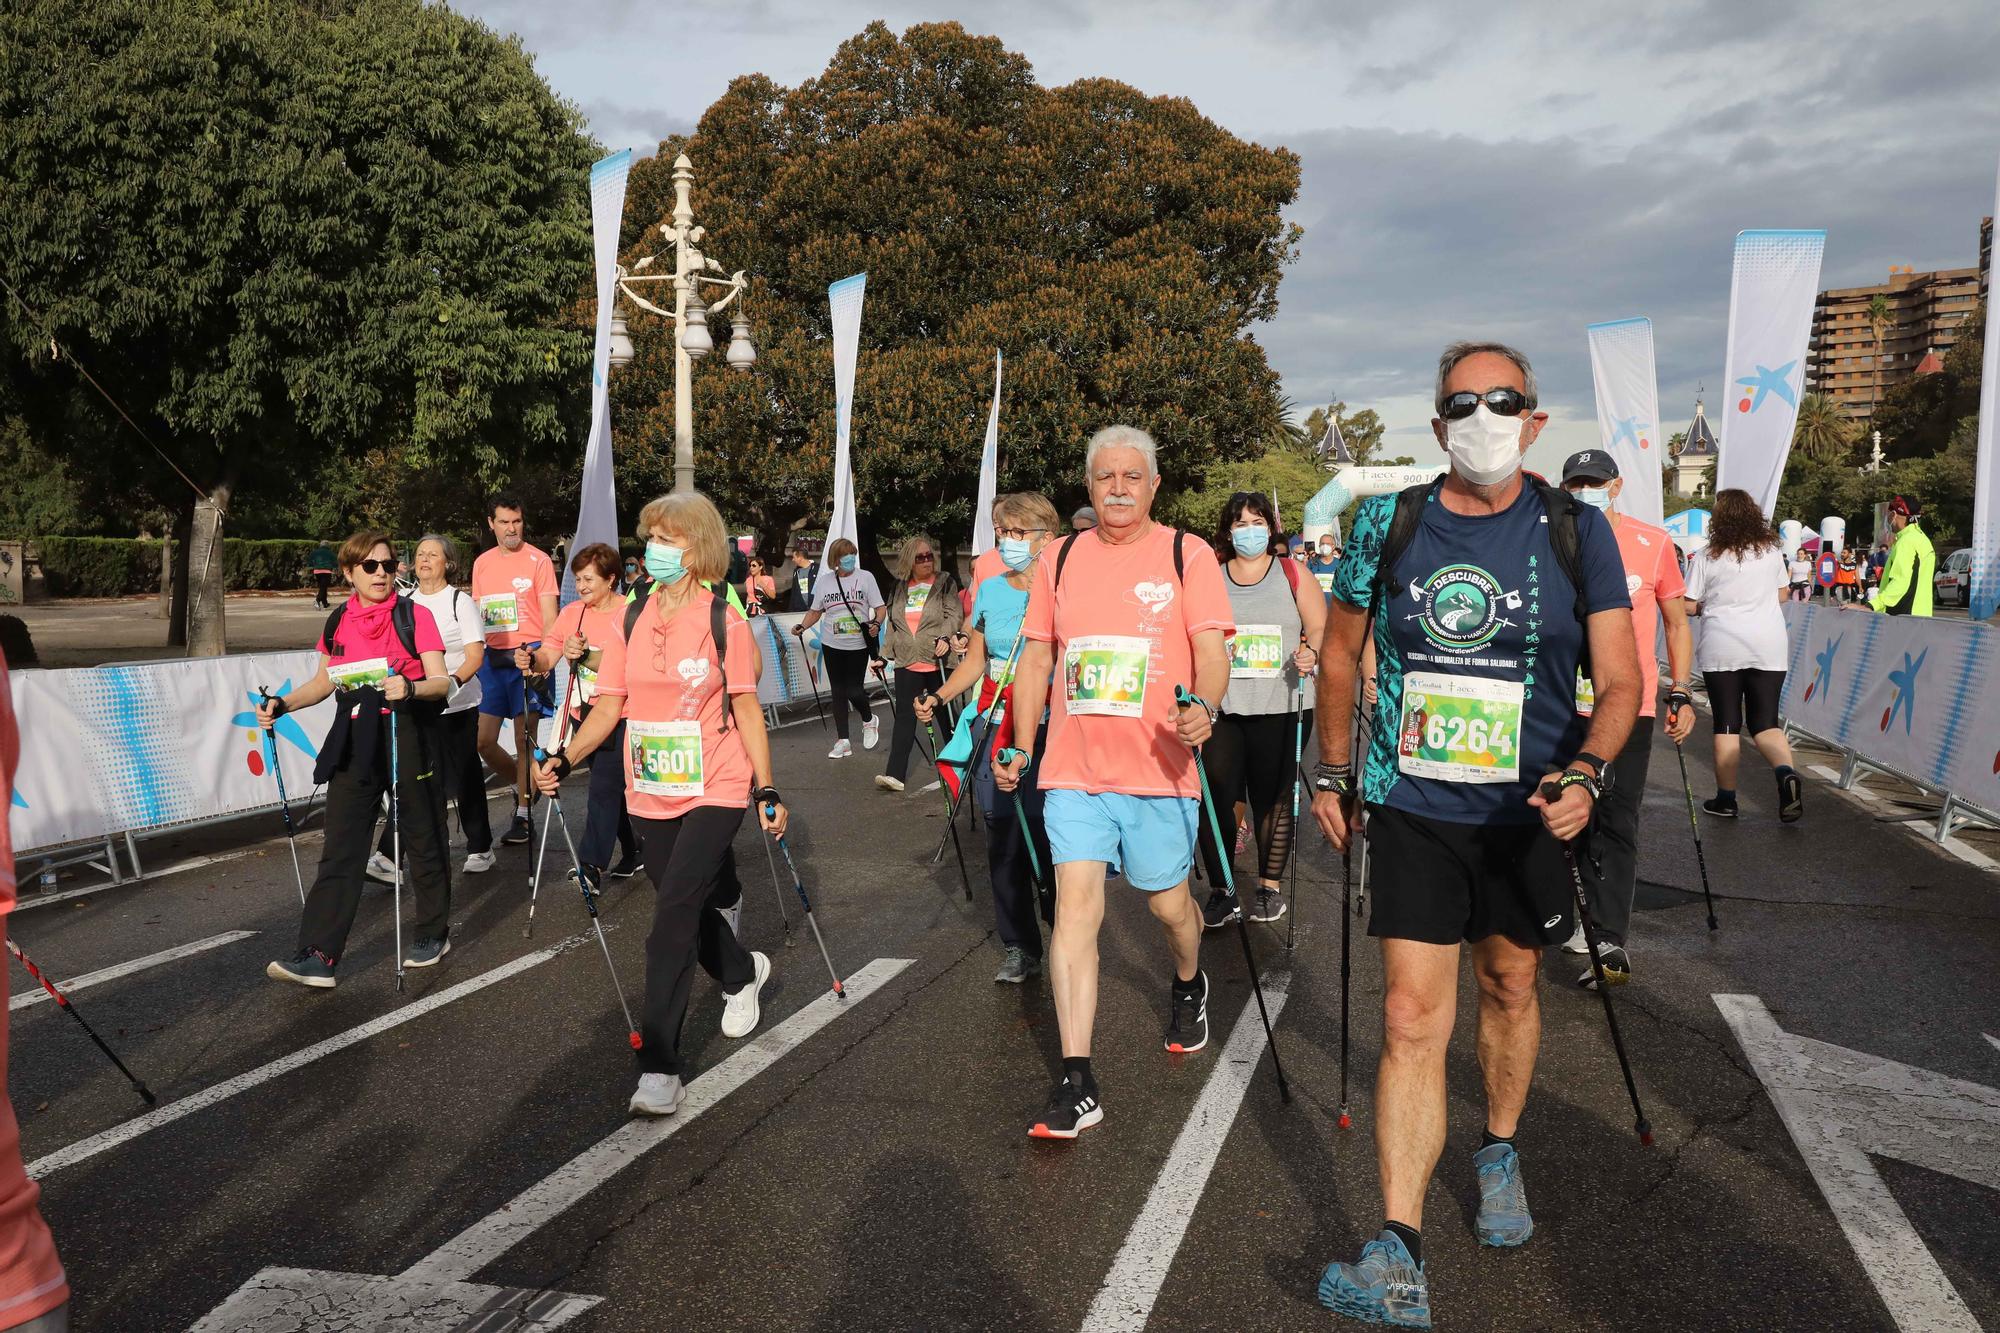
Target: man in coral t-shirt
x: 1119, y: 623
x: 516, y: 588
x: 31, y: 1277
x: 1653, y: 578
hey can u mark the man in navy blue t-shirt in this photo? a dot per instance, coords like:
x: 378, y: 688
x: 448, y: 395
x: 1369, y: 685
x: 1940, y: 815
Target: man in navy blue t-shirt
x: 1479, y: 635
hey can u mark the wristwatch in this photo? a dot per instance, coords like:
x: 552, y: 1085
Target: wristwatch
x: 1335, y: 778
x: 1596, y: 765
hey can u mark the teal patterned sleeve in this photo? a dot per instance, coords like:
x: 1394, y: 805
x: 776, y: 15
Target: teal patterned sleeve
x: 1354, y: 577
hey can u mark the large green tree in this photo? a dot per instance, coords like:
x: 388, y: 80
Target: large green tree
x: 302, y: 242
x: 1116, y: 247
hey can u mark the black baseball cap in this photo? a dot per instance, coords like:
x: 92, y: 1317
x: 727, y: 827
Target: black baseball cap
x: 1590, y: 465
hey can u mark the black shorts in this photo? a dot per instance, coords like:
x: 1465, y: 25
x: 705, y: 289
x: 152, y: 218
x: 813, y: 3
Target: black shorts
x: 1747, y: 696
x: 1441, y: 883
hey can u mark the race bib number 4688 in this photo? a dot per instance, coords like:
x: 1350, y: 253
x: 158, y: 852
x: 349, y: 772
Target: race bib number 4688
x: 1105, y: 675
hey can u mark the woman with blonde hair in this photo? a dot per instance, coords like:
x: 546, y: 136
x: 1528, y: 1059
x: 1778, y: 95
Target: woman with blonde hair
x: 918, y: 638
x: 683, y: 681
x: 850, y: 600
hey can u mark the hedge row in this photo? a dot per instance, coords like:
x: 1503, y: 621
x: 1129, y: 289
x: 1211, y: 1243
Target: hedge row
x: 117, y: 566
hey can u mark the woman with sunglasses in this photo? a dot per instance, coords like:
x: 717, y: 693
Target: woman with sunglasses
x: 1023, y: 524
x: 695, y: 753
x: 377, y: 664
x: 760, y: 589
x: 1279, y: 614
x: 918, y: 635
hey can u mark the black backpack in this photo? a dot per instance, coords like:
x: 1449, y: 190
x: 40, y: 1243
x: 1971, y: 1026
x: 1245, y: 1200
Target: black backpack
x: 718, y: 628
x: 1180, y: 558
x: 1562, y: 508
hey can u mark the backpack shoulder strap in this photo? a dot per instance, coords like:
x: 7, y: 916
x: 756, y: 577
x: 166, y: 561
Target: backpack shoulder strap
x: 635, y: 606
x: 1180, y: 556
x: 1291, y: 568
x: 1566, y: 539
x: 1410, y: 502
x: 403, y: 615
x: 332, y: 625
x: 1062, y: 558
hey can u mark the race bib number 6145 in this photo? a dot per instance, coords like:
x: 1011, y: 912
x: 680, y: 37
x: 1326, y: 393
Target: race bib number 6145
x: 1104, y: 675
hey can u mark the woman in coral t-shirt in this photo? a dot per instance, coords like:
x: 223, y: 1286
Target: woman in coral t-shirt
x: 695, y: 750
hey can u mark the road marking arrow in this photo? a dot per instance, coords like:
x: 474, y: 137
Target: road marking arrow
x: 434, y: 1295
x: 1841, y: 1106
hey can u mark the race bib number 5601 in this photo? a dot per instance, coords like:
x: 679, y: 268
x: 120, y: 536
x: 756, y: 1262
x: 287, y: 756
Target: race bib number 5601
x: 1104, y: 675
x: 665, y: 757
x: 1460, y: 728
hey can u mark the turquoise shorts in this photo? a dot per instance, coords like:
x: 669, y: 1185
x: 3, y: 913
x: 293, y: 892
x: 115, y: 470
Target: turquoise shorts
x: 1150, y: 837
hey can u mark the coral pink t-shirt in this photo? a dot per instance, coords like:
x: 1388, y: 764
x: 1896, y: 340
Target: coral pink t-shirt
x: 509, y: 587
x: 677, y: 755
x: 1122, y: 628
x: 1652, y: 576
x: 31, y: 1276
x: 602, y: 630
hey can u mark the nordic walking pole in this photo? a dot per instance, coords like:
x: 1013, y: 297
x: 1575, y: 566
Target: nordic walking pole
x: 964, y: 777
x: 1044, y: 892
x: 396, y: 834
x: 981, y: 734
x: 839, y: 987
x: 590, y: 906
x: 63, y: 1001
x: 1182, y: 698
x: 1552, y: 791
x: 535, y: 875
x: 1677, y: 700
x: 776, y: 891
x: 291, y: 833
x: 812, y: 676
x: 1298, y: 780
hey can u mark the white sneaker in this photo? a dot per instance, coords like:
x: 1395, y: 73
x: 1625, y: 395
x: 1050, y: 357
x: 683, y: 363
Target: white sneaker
x: 841, y: 749
x: 871, y: 732
x: 478, y: 863
x: 887, y: 783
x: 1575, y: 943
x: 658, y: 1094
x: 382, y: 868
x: 739, y: 1011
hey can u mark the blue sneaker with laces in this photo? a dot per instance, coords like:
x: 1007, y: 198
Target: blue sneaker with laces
x: 1503, y: 1201
x: 1385, y: 1287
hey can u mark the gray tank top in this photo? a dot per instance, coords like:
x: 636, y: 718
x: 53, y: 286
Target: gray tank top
x: 1262, y: 679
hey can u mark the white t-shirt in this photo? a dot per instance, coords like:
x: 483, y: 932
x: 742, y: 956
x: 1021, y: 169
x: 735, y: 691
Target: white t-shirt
x: 458, y: 623
x: 1742, y: 621
x: 1801, y: 570
x: 845, y: 603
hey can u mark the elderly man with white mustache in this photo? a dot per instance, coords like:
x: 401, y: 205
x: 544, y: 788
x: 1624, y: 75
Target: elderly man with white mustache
x: 1131, y: 610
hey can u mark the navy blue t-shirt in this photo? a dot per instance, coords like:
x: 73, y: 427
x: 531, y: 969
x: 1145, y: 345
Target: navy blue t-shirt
x: 1477, y: 599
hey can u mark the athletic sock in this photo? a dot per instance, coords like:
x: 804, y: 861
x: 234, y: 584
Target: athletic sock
x: 1412, y: 1239
x: 1725, y: 795
x: 1076, y: 1068
x: 1783, y: 771
x: 1487, y: 1138
x: 1191, y: 987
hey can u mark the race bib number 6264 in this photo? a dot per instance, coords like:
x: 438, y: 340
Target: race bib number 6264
x: 1460, y: 728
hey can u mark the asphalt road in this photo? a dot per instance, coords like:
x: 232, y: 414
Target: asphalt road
x: 876, y: 1173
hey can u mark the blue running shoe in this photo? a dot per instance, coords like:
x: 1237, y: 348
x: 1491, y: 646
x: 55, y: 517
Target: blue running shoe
x: 1386, y: 1287
x: 1503, y: 1202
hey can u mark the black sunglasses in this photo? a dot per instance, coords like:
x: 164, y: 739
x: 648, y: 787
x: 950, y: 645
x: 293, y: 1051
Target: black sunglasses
x: 389, y: 566
x: 1504, y: 402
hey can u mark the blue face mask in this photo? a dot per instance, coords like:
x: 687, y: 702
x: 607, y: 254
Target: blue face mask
x: 1250, y: 542
x: 1015, y: 553
x: 663, y: 562
x: 849, y: 563
x: 1597, y: 497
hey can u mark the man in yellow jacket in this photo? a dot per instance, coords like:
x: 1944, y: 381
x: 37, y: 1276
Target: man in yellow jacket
x: 1906, y: 585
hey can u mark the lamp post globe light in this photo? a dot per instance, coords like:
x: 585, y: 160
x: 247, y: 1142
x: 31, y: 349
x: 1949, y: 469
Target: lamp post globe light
x: 693, y: 271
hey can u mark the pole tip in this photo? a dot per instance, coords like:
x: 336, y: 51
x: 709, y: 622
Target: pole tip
x: 634, y: 1038
x: 1711, y: 923
x: 1346, y: 1121
x: 147, y: 1093
x: 1645, y: 1134
x: 840, y: 990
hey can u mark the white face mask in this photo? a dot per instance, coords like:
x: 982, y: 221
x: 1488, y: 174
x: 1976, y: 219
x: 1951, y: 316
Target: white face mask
x: 1484, y: 447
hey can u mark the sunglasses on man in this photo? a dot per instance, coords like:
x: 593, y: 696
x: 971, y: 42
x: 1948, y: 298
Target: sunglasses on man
x: 1503, y: 402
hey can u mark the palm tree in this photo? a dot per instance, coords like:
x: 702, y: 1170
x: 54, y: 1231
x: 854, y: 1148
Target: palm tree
x: 1879, y: 319
x: 1822, y: 432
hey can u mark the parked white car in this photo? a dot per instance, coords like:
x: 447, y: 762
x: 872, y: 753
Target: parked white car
x: 1953, y: 581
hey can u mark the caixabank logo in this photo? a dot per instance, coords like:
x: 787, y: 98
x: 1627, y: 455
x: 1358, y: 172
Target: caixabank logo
x: 1904, y: 679
x: 285, y: 729
x: 1822, y: 680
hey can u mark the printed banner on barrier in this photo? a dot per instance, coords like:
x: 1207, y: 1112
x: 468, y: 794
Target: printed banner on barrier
x: 135, y: 747
x: 1986, y: 482
x: 1628, y: 412
x: 1772, y: 288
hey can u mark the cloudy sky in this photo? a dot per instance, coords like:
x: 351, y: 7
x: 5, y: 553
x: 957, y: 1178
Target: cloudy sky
x: 1469, y: 170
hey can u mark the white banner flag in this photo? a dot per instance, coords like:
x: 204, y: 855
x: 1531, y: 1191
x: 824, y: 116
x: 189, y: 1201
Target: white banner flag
x: 1771, y: 294
x: 845, y: 299
x: 1628, y: 412
x: 1986, y: 487
x: 989, y: 473
x: 597, y: 514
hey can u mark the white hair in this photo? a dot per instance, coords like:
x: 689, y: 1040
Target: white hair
x: 1121, y: 437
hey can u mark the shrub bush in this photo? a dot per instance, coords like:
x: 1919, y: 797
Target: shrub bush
x: 121, y: 566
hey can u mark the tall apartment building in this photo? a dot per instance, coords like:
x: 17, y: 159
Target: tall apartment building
x: 1925, y: 311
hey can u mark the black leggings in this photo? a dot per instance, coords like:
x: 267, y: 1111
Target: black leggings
x: 1749, y: 695
x: 686, y: 859
x: 1253, y: 758
x: 847, y: 681
x: 464, y: 779
x: 909, y: 684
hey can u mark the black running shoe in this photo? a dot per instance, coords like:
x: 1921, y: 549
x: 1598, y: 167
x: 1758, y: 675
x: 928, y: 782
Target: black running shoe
x: 1222, y: 909
x: 1716, y: 806
x: 1791, y: 798
x: 1187, y: 1029
x: 517, y: 832
x: 1072, y: 1108
x: 628, y: 865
